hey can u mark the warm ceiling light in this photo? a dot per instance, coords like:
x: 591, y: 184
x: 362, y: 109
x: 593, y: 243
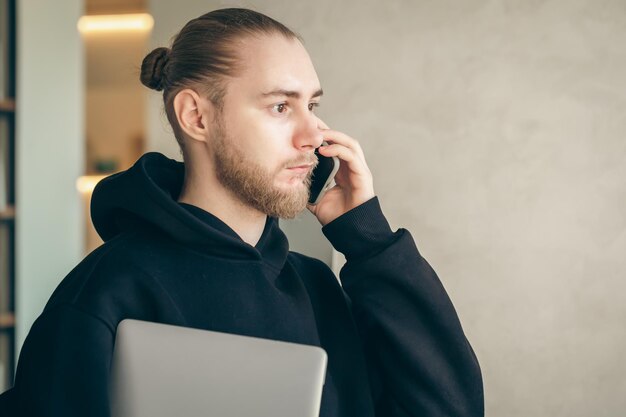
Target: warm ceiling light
x: 115, y: 23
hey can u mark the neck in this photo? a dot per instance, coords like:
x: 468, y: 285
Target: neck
x: 202, y: 189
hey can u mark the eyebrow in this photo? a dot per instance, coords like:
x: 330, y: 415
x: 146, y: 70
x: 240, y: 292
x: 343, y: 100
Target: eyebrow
x: 289, y: 93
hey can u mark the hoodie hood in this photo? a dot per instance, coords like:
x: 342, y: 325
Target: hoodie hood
x: 145, y: 196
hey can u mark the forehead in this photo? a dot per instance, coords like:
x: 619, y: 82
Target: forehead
x: 272, y: 62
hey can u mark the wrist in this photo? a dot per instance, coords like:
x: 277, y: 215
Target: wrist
x: 360, y: 231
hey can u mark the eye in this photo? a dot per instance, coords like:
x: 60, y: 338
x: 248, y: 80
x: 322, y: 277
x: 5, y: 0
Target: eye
x: 280, y: 108
x: 312, y: 106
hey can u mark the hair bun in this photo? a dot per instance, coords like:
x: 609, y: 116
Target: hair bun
x: 152, y: 68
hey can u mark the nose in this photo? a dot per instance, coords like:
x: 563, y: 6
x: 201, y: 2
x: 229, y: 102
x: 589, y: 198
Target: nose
x: 307, y: 134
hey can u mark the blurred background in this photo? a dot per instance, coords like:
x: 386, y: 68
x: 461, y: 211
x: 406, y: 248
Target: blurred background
x: 494, y: 129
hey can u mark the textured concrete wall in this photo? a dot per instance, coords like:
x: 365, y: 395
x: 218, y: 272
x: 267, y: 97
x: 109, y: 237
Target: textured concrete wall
x: 495, y: 133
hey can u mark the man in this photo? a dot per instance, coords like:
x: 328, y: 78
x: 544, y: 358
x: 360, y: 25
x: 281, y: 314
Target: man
x: 198, y: 244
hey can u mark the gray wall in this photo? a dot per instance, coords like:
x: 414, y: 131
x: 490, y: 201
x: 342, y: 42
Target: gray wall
x: 495, y: 134
x: 49, y: 152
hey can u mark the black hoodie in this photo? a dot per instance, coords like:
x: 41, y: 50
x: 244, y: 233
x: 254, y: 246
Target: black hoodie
x: 394, y: 342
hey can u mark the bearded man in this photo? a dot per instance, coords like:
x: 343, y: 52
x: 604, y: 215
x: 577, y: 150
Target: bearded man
x: 197, y: 244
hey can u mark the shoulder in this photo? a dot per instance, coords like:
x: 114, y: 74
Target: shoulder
x: 116, y: 280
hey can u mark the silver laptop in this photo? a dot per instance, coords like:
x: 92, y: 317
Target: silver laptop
x: 162, y: 370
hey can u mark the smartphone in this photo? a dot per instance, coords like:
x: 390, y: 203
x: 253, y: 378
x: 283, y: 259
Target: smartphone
x: 323, y: 176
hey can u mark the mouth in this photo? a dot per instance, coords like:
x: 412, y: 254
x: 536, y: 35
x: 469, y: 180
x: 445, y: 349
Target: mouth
x: 301, y: 168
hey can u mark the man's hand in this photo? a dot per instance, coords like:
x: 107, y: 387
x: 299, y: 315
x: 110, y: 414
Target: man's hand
x: 354, y: 182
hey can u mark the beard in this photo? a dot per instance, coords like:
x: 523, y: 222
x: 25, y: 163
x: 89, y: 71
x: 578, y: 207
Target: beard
x: 253, y: 184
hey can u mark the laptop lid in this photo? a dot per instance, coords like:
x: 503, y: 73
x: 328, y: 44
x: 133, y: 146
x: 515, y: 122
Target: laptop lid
x: 163, y: 370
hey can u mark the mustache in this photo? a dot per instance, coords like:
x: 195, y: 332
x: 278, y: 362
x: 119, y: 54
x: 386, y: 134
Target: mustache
x: 309, y: 159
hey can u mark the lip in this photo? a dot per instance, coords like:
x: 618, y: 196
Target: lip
x: 301, y: 168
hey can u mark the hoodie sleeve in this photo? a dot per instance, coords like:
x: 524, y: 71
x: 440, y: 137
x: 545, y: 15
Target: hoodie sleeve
x: 420, y: 362
x: 64, y: 366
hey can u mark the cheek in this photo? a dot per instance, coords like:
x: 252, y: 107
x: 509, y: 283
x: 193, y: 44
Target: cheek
x: 274, y: 140
x: 265, y: 139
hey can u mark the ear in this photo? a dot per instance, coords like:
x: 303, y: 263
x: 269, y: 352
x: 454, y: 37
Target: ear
x: 193, y: 113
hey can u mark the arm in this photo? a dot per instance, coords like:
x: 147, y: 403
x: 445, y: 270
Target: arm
x: 63, y: 368
x: 420, y: 362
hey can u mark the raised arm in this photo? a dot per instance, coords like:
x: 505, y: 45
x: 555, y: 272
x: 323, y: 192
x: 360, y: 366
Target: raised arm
x: 419, y: 360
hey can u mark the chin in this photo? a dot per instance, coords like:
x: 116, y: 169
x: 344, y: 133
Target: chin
x: 291, y: 183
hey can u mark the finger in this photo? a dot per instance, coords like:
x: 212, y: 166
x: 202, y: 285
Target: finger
x: 334, y: 136
x: 340, y: 137
x: 321, y: 124
x: 345, y: 154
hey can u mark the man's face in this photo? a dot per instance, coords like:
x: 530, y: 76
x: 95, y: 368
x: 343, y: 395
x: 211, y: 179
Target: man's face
x: 265, y: 135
